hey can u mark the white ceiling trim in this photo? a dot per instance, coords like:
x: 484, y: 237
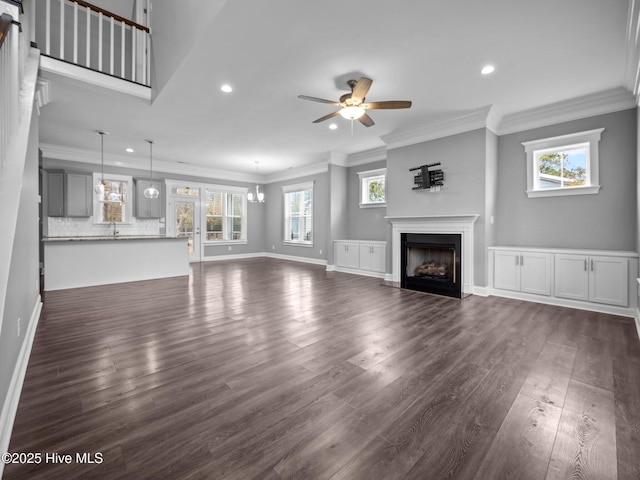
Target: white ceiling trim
x: 367, y: 156
x: 632, y: 39
x: 55, y: 152
x: 294, y: 173
x: 600, y: 103
x: 441, y: 128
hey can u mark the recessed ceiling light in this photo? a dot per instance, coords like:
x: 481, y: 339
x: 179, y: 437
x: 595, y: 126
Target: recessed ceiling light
x: 487, y: 69
x: 226, y: 88
x: 333, y: 126
x: 129, y: 150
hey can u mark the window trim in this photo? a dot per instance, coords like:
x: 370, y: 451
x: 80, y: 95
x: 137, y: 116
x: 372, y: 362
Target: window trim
x: 590, y: 137
x: 362, y: 178
x: 298, y: 187
x: 128, y: 205
x: 225, y: 190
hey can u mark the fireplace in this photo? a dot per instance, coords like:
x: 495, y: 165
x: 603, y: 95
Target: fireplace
x: 431, y: 263
x: 461, y: 225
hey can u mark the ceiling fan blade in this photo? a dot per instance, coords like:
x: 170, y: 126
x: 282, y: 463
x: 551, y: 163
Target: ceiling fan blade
x: 366, y: 120
x: 360, y: 90
x: 390, y: 104
x: 326, y: 117
x: 321, y: 100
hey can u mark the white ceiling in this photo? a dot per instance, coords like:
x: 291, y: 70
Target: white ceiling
x: 429, y: 52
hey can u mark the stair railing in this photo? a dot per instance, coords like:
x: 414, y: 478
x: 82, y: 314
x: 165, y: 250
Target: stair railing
x: 9, y: 82
x: 78, y: 32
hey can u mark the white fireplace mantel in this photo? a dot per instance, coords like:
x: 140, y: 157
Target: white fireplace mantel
x: 437, y: 224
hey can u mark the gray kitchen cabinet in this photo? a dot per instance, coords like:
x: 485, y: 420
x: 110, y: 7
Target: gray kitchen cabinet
x: 55, y: 194
x: 149, y: 207
x: 78, y: 199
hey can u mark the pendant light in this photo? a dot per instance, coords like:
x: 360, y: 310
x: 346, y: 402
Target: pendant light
x: 151, y: 191
x: 257, y: 197
x: 100, y: 186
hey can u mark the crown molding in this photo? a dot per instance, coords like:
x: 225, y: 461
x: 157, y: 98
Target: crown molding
x: 56, y: 152
x: 599, y: 103
x: 632, y: 41
x: 445, y: 127
x: 367, y: 156
x: 294, y: 173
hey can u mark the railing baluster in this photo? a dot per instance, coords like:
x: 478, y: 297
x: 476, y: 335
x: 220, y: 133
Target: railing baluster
x: 99, y: 41
x: 61, y: 29
x: 47, y: 41
x: 111, y: 47
x: 88, y: 54
x: 133, y: 54
x: 32, y: 14
x: 122, y: 43
x: 75, y: 32
x: 144, y: 53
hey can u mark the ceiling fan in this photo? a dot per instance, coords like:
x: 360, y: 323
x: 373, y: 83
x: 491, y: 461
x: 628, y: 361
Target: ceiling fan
x: 352, y: 103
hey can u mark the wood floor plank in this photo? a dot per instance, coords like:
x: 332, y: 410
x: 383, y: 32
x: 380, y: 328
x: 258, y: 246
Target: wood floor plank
x: 585, y: 445
x: 316, y: 374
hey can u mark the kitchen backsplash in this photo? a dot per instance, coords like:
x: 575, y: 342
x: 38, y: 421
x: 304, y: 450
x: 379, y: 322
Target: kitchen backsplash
x: 84, y: 227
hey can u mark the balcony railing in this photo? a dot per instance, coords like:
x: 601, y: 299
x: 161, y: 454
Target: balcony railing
x: 9, y: 82
x: 89, y: 36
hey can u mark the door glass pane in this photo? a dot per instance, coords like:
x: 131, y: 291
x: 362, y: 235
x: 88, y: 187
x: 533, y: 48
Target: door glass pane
x: 184, y: 221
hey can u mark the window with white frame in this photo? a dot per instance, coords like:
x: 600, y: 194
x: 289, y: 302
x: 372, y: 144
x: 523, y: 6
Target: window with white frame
x: 298, y: 213
x: 113, y: 204
x: 564, y: 165
x: 373, y: 188
x: 225, y: 215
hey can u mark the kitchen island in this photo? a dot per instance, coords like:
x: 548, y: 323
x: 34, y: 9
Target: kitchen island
x: 72, y: 262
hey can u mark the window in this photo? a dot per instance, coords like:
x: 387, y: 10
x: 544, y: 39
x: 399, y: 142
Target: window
x: 565, y: 165
x: 225, y: 215
x: 298, y: 214
x: 114, y: 204
x: 373, y: 188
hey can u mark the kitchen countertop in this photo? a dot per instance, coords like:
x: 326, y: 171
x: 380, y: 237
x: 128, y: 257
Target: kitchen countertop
x: 109, y: 237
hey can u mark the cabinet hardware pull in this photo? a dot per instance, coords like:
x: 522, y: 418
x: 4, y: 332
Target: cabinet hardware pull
x: 585, y: 264
x: 592, y: 265
x: 521, y: 259
x: 517, y: 259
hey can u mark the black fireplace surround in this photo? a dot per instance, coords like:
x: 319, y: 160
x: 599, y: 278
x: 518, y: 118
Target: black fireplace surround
x: 431, y: 263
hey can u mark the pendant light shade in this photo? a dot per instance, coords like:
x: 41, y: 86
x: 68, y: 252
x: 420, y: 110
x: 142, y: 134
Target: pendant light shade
x: 151, y: 191
x: 100, y: 186
x: 257, y: 197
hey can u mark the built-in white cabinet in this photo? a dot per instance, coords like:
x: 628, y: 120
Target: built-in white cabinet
x: 596, y: 278
x: 527, y: 272
x: 347, y: 254
x: 360, y: 256
x: 593, y: 279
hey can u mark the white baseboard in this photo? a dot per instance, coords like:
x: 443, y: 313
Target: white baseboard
x: 564, y: 302
x: 481, y: 291
x: 10, y: 404
x: 354, y: 271
x: 237, y: 256
x: 638, y: 321
x: 293, y: 258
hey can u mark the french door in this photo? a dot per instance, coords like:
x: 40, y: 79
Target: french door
x: 186, y: 221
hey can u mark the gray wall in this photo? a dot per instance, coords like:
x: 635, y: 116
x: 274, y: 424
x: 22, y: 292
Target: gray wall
x: 338, y: 202
x: 364, y: 223
x: 464, y: 163
x: 23, y: 288
x: 603, y: 221
x: 274, y: 218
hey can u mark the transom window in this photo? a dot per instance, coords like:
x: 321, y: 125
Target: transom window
x: 113, y: 204
x: 298, y: 214
x: 373, y: 188
x: 565, y: 165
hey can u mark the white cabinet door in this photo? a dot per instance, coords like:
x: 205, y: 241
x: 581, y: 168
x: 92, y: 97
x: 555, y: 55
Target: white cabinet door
x: 347, y: 255
x: 506, y: 275
x: 608, y: 280
x: 535, y: 273
x: 572, y: 277
x: 372, y: 258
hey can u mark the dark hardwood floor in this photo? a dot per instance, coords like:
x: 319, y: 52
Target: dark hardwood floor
x: 271, y: 369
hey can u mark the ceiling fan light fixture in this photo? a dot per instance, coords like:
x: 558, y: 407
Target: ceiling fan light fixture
x: 352, y: 112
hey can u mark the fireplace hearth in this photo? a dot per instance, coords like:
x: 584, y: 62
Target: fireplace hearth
x: 431, y: 263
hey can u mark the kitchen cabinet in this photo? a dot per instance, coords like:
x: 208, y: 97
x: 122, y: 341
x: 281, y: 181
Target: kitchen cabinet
x: 372, y: 257
x: 522, y: 271
x: 55, y: 194
x: 78, y: 198
x: 593, y: 278
x: 148, y: 207
x: 347, y: 254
